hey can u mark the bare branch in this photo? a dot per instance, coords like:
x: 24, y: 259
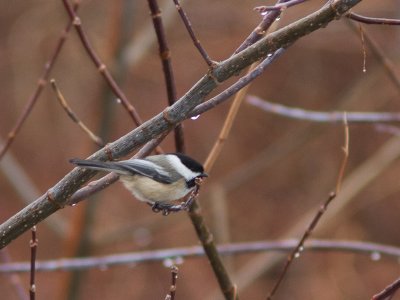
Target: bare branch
x: 296, y: 252
x: 320, y: 116
x: 96, y: 139
x: 378, y: 53
x: 314, y: 245
x: 388, y: 292
x: 33, y: 245
x: 195, y: 40
x: 280, y: 6
x: 165, y: 56
x: 102, y: 68
x: 261, y: 28
x: 174, y: 278
x: 371, y: 20
x: 237, y: 86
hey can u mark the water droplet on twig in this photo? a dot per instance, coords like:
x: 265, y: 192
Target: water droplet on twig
x: 375, y: 256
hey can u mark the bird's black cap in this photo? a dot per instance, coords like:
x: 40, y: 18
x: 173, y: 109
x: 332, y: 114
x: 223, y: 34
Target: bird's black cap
x: 191, y: 163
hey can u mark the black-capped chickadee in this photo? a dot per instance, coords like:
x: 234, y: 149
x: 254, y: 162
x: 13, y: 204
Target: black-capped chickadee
x: 154, y: 179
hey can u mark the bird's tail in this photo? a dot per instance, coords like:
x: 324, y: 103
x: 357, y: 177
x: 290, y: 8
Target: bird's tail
x: 107, y: 166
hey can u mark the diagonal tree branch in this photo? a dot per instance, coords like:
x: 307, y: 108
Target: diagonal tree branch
x: 56, y: 197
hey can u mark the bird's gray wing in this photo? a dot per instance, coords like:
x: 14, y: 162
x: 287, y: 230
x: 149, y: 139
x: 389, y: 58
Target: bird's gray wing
x: 146, y: 168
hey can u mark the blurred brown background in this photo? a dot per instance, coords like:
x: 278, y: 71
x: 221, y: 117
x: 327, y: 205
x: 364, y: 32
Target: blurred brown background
x: 272, y: 172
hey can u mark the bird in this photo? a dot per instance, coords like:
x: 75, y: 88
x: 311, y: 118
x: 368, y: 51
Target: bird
x: 154, y: 179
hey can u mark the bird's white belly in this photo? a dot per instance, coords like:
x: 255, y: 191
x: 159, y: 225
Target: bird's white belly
x: 148, y: 190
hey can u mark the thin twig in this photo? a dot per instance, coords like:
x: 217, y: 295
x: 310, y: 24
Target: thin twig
x: 237, y: 86
x: 243, y: 85
x: 314, y: 245
x: 102, y: 68
x: 346, y: 150
x: 33, y: 245
x: 206, y: 238
x: 48, y: 66
x: 321, y: 116
x: 226, y: 128
x: 280, y: 6
x: 371, y: 20
x: 388, y: 292
x: 174, y: 278
x: 296, y: 252
x: 165, y: 55
x: 96, y: 139
x: 195, y: 40
x: 379, y: 54
x: 268, y: 19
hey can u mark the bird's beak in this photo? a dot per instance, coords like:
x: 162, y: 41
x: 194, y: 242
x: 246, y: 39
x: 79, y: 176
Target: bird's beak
x: 203, y: 175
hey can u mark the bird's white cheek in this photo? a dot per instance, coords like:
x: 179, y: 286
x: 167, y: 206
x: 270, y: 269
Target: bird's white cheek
x: 148, y: 190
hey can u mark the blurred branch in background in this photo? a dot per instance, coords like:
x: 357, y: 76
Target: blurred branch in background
x: 136, y: 49
x: 313, y: 245
x: 40, y: 85
x: 319, y: 116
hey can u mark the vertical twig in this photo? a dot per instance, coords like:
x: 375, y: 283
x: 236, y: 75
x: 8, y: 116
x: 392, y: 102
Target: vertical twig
x: 296, y: 252
x: 48, y: 66
x: 165, y: 55
x: 172, y: 289
x: 33, y: 245
x: 102, y: 68
x: 379, y: 54
x: 227, y: 287
x: 363, y: 48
